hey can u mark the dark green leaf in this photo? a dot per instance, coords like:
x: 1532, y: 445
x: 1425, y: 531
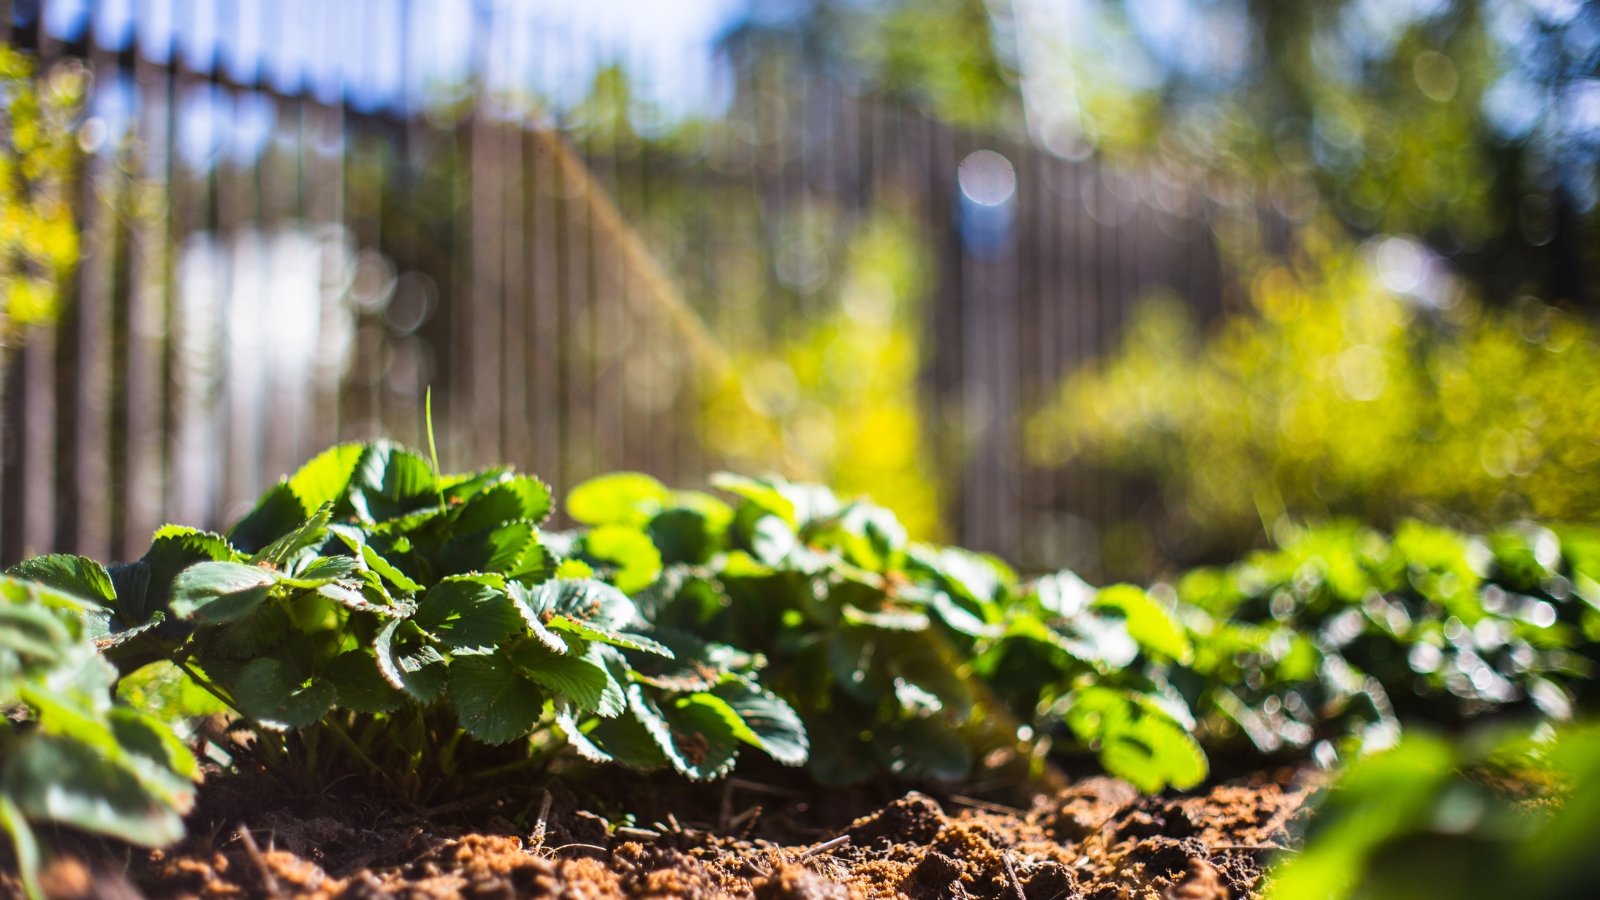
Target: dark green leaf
x: 623, y: 740
x: 360, y: 685
x: 408, y: 662
x: 268, y: 692
x: 468, y: 613
x: 583, y: 678
x: 697, y: 738
x: 777, y: 727
x: 277, y: 513
x: 494, y: 701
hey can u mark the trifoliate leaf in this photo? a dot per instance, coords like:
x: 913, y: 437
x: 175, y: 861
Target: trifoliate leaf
x: 494, y: 701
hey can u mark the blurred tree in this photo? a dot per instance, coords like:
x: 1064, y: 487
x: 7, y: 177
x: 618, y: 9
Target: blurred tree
x: 938, y: 55
x: 38, y: 155
x: 1474, y: 124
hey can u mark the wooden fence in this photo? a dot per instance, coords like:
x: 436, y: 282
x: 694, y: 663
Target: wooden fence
x: 270, y: 268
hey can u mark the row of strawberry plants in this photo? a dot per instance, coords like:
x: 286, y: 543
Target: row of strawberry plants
x: 373, y: 614
x: 910, y: 657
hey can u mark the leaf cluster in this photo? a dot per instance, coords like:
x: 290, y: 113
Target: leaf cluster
x: 1504, y: 813
x: 901, y: 657
x: 1345, y: 633
x: 370, y: 612
x: 70, y: 754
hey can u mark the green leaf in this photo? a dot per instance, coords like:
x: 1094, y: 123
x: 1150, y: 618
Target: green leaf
x: 761, y: 494
x: 144, y: 735
x: 961, y: 619
x: 621, y: 498
x: 388, y: 570
x: 212, y: 593
x: 325, y: 570
x: 360, y: 685
x: 628, y: 553
x: 501, y: 549
x: 285, y: 549
x: 277, y: 513
x: 276, y: 698
x: 589, y: 609
x: 24, y: 846
x: 56, y: 779
x: 921, y: 748
x: 583, y: 678
x: 694, y: 664
x: 623, y: 740
x: 775, y: 725
x: 1148, y: 622
x: 145, y: 586
x: 517, y: 498
x: 408, y: 662
x: 494, y: 701
x: 697, y: 739
x: 167, y: 692
x: 326, y: 478
x: 77, y: 575
x: 1137, y: 740
x: 468, y: 613
x: 390, y: 481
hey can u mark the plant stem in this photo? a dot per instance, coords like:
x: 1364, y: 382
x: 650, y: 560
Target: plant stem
x: 208, y: 687
x: 353, y: 747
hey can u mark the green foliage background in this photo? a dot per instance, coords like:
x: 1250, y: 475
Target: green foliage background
x: 38, y: 158
x: 1334, y: 394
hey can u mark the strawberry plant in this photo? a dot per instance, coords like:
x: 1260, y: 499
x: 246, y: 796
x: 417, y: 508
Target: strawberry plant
x: 371, y: 613
x: 69, y: 753
x: 900, y: 656
x: 1344, y: 633
x: 1500, y: 813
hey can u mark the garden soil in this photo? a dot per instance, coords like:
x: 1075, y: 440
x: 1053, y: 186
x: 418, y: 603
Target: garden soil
x: 771, y: 836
